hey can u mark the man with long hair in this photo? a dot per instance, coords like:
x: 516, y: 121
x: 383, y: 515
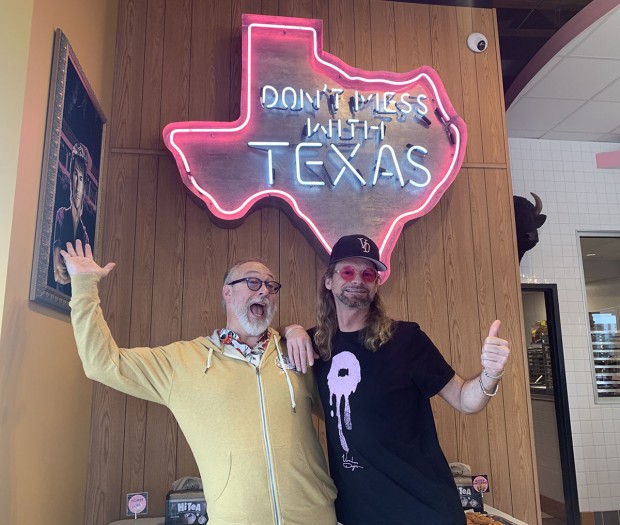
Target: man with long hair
x: 375, y: 378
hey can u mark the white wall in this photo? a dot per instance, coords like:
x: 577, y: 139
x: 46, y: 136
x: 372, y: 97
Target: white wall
x: 603, y: 294
x: 576, y: 196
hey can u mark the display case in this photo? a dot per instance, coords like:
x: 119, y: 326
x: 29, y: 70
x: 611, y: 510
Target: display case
x: 539, y: 364
x: 605, y: 353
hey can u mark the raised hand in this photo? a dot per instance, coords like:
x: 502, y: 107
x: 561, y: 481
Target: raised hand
x: 495, y: 352
x: 79, y: 260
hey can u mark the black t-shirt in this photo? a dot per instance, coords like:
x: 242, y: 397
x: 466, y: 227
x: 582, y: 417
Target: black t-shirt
x: 384, y: 454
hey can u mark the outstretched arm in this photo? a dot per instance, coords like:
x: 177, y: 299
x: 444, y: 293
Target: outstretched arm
x: 141, y: 372
x: 473, y: 395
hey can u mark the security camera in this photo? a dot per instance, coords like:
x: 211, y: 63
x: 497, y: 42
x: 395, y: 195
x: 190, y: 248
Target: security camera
x: 477, y: 42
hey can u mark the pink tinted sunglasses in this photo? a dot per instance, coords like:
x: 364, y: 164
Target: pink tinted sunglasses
x: 368, y: 275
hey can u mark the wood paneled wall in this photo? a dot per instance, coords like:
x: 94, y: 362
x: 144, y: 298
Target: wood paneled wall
x: 454, y: 271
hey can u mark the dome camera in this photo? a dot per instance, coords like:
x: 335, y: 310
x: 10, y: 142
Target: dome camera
x: 477, y: 42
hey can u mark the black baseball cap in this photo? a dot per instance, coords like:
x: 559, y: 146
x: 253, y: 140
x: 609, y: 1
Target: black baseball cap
x: 356, y: 246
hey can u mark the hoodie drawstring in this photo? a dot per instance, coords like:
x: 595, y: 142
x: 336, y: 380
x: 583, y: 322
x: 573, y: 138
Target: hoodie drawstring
x: 209, y: 360
x: 288, y: 380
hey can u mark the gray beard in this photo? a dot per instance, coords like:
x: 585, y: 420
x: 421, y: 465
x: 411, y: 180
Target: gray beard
x: 253, y: 328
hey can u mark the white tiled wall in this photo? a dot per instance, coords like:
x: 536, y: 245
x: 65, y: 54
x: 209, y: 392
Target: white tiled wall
x: 576, y: 197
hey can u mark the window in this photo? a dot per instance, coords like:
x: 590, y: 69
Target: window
x: 600, y: 257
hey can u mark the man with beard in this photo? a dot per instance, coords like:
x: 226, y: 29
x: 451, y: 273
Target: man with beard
x: 375, y: 378
x: 246, y: 414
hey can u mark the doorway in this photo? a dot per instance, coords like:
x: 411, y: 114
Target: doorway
x: 549, y: 397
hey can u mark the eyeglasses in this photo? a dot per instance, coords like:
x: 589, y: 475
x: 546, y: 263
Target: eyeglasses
x: 254, y: 284
x: 368, y: 275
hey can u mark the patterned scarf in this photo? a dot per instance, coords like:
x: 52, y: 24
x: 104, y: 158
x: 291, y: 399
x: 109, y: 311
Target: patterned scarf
x: 251, y: 355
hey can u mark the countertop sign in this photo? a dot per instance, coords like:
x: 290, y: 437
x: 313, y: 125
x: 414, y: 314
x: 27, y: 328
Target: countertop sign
x: 343, y: 149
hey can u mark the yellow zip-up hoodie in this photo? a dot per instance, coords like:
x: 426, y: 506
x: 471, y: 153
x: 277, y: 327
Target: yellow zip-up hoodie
x: 259, y: 458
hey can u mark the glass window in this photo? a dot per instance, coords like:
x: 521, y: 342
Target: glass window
x: 601, y: 270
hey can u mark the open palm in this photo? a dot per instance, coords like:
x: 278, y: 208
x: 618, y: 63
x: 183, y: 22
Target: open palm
x: 79, y: 260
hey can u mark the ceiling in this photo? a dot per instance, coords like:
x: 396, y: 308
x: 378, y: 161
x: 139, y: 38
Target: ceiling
x: 574, y: 93
x: 560, y: 66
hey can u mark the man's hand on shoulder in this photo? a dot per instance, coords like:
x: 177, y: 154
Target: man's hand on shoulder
x: 299, y: 346
x: 79, y: 260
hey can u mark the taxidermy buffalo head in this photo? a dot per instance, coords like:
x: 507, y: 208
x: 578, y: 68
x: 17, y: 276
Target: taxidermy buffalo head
x: 528, y: 219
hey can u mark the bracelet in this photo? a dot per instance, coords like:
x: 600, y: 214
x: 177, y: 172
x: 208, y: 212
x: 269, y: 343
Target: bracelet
x: 484, y: 370
x: 291, y: 328
x: 488, y: 394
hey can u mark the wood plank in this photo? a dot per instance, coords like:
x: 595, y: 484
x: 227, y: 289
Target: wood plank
x: 296, y: 8
x: 518, y: 412
x: 444, y: 39
x: 320, y: 11
x: 210, y: 61
x: 297, y: 267
x: 469, y: 81
x: 270, y: 247
x: 383, y: 41
x: 341, y: 28
x: 150, y: 129
x: 140, y: 314
x: 129, y: 69
x: 176, y: 63
x: 498, y: 452
x: 103, y: 486
x: 363, y: 35
x: 244, y: 242
x: 269, y: 7
x: 490, y: 90
x: 413, y: 47
x: 428, y: 306
x: 472, y: 437
x: 134, y: 448
x: 238, y: 7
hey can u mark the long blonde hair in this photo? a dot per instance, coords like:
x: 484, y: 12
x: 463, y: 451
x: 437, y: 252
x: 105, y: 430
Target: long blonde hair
x: 378, y: 331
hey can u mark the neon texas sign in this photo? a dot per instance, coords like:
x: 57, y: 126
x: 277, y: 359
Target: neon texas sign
x: 348, y: 150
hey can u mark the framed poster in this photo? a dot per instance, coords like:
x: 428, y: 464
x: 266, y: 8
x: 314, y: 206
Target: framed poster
x: 71, y: 175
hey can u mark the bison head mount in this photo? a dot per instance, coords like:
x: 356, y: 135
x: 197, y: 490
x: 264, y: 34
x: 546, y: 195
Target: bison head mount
x: 528, y: 219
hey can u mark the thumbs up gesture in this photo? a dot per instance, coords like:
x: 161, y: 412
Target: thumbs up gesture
x: 495, y: 352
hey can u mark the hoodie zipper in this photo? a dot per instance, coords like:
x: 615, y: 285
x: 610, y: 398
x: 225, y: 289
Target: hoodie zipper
x: 272, y: 480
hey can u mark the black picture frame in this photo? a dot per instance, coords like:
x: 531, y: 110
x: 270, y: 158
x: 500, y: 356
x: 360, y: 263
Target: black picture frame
x: 73, y: 164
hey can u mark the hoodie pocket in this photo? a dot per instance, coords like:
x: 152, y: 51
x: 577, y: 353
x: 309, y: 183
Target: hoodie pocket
x: 304, y: 488
x: 244, y: 497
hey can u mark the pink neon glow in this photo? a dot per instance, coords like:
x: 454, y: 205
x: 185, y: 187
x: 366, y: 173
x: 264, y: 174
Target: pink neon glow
x: 319, y: 59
